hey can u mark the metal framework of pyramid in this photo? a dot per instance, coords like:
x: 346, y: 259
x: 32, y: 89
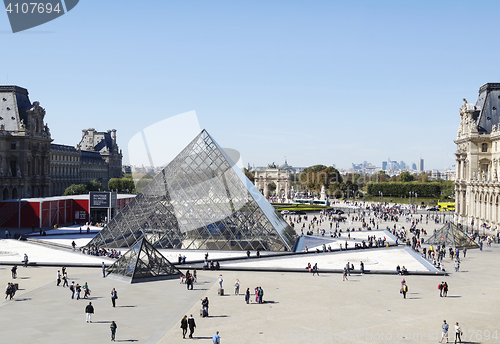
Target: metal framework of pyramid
x: 200, y: 200
x: 142, y: 263
x: 451, y: 236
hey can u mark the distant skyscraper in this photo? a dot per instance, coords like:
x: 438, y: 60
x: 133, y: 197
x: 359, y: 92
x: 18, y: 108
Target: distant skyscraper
x: 421, y: 165
x: 413, y: 166
x: 384, y: 165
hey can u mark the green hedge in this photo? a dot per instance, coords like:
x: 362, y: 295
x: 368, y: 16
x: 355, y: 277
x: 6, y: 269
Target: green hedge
x: 400, y: 189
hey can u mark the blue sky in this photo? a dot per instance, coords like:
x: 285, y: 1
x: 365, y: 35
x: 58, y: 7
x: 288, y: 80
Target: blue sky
x: 320, y: 82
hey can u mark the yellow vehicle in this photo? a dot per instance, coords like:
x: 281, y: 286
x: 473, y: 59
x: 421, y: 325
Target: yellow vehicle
x: 446, y: 206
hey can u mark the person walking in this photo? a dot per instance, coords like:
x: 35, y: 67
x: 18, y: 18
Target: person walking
x: 65, y: 280
x: 25, y: 260
x: 237, y: 287
x: 103, y: 270
x: 216, y: 338
x: 86, y: 290
x: 113, y: 330
x: 314, y: 270
x: 404, y: 290
x: 458, y: 333
x: 247, y: 296
x: 191, y: 325
x: 441, y: 287
x: 184, y: 326
x: 72, y: 288
x: 362, y: 267
x: 220, y: 281
x: 14, y: 271
x: 114, y: 296
x: 78, y: 289
x: 204, y: 304
x: 445, y: 328
x: 58, y: 278
x: 445, y: 289
x: 189, y: 280
x: 9, y: 291
x: 344, y: 275
x: 261, y: 295
x: 73, y: 245
x: 89, y: 310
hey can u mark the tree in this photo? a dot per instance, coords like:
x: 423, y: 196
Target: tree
x: 405, y: 177
x: 94, y: 185
x: 379, y: 177
x: 317, y: 176
x: 315, y: 168
x: 76, y: 189
x: 249, y: 175
x: 271, y: 186
x: 122, y: 185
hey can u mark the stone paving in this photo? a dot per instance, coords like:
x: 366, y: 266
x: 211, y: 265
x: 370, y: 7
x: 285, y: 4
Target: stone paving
x: 299, y: 307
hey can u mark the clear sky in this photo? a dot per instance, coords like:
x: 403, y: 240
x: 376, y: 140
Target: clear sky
x: 320, y: 82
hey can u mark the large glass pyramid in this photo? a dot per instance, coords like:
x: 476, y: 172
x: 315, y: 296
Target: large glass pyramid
x: 201, y: 200
x: 451, y: 236
x: 142, y: 263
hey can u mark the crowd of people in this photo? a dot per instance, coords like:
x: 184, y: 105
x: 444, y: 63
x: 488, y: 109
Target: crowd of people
x: 101, y: 251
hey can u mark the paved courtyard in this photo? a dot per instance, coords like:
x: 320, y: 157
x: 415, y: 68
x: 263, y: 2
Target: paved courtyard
x: 299, y: 307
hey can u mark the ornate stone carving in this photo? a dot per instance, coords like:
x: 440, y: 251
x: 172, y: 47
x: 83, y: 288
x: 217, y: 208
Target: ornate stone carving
x: 467, y: 124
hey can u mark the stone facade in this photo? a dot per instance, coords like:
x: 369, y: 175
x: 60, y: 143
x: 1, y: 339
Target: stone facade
x: 477, y: 185
x: 24, y: 146
x: 31, y: 166
x: 96, y: 157
x: 64, y: 167
x: 276, y: 175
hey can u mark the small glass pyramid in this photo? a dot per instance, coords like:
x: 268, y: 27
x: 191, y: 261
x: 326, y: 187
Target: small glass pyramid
x: 451, y: 236
x: 142, y: 263
x: 201, y: 200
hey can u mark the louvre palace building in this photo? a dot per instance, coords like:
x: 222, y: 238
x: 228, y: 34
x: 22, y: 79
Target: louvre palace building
x: 477, y: 185
x: 32, y: 166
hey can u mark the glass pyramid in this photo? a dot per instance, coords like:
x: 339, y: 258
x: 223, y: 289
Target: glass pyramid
x: 451, y: 236
x: 201, y: 200
x: 142, y: 263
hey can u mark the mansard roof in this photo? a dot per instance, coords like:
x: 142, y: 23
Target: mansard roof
x: 487, y: 111
x: 14, y: 102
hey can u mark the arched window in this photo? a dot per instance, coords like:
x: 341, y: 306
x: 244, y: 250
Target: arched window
x: 14, y: 193
x: 5, y: 193
x: 484, y: 147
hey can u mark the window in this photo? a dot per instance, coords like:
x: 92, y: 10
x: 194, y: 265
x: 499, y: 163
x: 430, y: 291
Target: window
x: 13, y: 145
x: 13, y: 168
x: 484, y: 147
